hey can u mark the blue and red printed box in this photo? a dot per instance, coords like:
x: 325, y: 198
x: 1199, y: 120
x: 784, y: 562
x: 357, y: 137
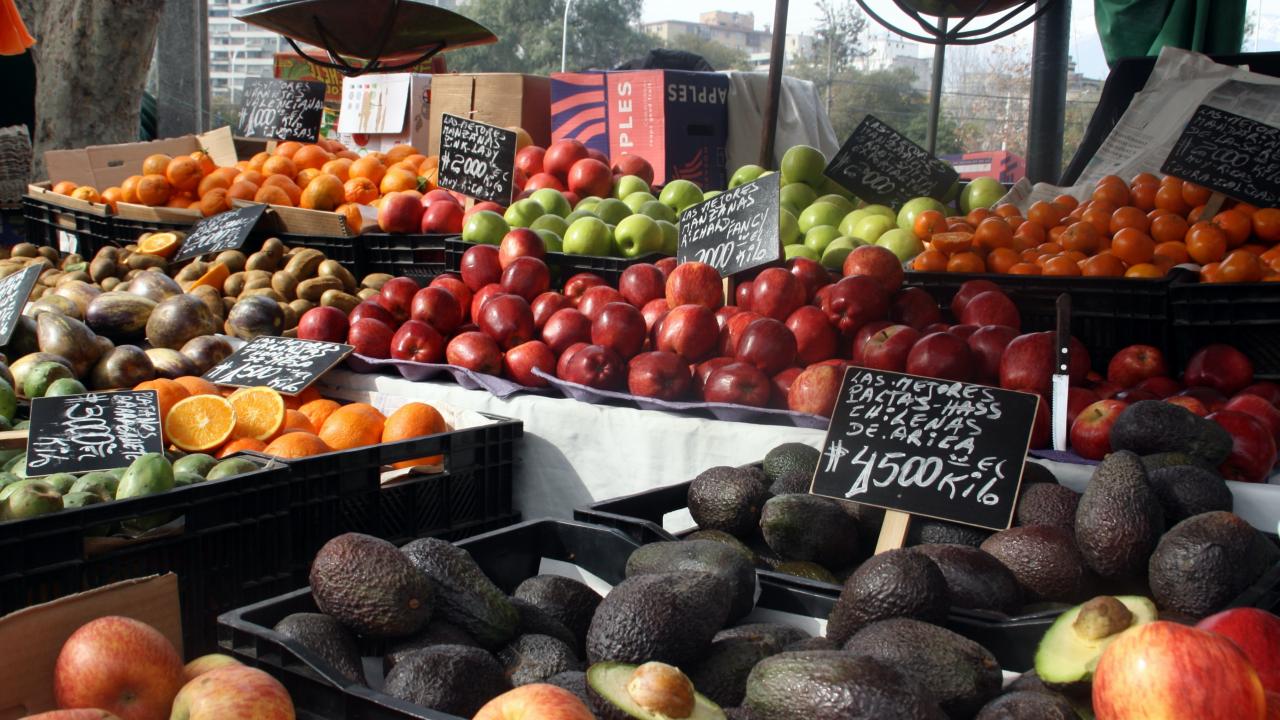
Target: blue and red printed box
x: 677, y: 120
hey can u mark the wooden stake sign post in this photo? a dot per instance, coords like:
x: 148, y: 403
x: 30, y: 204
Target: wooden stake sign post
x: 1230, y: 154
x: 919, y: 446
x: 734, y: 231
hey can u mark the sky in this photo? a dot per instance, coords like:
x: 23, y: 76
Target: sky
x: 1085, y: 48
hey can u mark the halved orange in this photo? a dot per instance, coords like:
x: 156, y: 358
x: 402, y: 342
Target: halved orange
x: 164, y: 244
x: 214, y: 277
x: 200, y: 423
x: 259, y: 412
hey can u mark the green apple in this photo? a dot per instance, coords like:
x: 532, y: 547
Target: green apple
x: 638, y: 235
x: 884, y: 210
x: 819, y: 237
x: 744, y: 175
x: 912, y: 208
x: 657, y: 211
x: 588, y: 236
x: 588, y: 203
x: 846, y: 206
x: 831, y: 187
x: 612, y: 210
x: 485, y: 227
x: 552, y: 200
x: 801, y: 163
x: 837, y: 250
x: 710, y: 194
x: 850, y: 221
x: 551, y: 240
x: 981, y: 192
x: 870, y: 228
x: 902, y: 243
x: 680, y: 194
x: 788, y: 227
x: 578, y: 215
x: 797, y: 195
x: 819, y: 213
x: 795, y: 251
x: 628, y: 184
x: 554, y: 223
x: 670, y: 237
x: 636, y: 200
x: 522, y: 213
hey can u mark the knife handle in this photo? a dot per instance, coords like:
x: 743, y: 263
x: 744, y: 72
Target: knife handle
x: 1063, y: 362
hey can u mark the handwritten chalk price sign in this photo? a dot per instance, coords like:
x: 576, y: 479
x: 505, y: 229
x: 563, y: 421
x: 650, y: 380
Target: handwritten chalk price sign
x: 224, y: 231
x: 734, y: 231
x: 287, y: 365
x: 1230, y: 154
x: 477, y: 159
x: 281, y: 109
x: 14, y: 291
x: 942, y: 449
x: 97, y: 431
x: 880, y: 164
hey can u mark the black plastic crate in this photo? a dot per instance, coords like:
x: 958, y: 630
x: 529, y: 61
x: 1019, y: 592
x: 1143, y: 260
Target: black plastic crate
x: 45, y: 220
x: 563, y: 265
x: 507, y: 556
x: 421, y: 257
x: 342, y: 491
x: 216, y: 549
x: 125, y: 231
x: 1107, y: 314
x: 1246, y: 315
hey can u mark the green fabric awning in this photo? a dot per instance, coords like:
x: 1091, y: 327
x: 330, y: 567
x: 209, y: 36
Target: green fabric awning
x: 1133, y: 28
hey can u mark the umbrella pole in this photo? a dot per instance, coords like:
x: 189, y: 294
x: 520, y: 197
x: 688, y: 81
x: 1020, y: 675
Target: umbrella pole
x: 935, y: 87
x: 777, y: 56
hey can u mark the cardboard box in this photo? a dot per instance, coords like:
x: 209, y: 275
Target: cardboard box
x: 502, y: 99
x: 677, y: 120
x: 379, y: 111
x: 33, y: 637
x: 102, y: 166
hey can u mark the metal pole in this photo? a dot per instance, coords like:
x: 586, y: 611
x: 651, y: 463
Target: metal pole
x: 1048, y: 92
x: 564, y: 36
x: 777, y: 56
x: 935, y: 87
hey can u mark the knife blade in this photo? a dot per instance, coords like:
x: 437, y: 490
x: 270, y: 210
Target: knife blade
x: 1061, y: 373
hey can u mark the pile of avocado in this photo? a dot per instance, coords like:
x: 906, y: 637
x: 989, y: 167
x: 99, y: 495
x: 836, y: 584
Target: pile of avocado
x: 24, y: 497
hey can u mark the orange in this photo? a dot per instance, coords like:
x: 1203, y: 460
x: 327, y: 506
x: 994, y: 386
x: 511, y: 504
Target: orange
x: 184, y: 173
x: 363, y: 190
x: 1133, y: 246
x: 206, y: 163
x: 1209, y: 273
x: 229, y: 173
x: 200, y: 423
x: 966, y: 262
x: 1169, y: 228
x: 1025, y: 268
x: 351, y: 212
x: 295, y: 421
x: 1144, y: 196
x: 338, y: 168
x: 240, y: 444
x: 1266, y: 224
x: 1001, y: 259
x: 1067, y: 201
x: 1206, y: 243
x: 305, y: 177
x: 242, y: 190
x: 398, y: 153
x: 930, y: 261
x: 87, y: 194
x: 288, y: 186
x: 953, y: 242
x: 1129, y: 217
x: 164, y: 244
x: 215, y: 277
x: 993, y: 233
x: 1235, y: 225
x: 367, y: 167
x: 66, y: 187
x: 1098, y: 217
x: 214, y: 202
x: 1028, y: 235
x: 1056, y: 232
x: 397, y: 181
x: 1145, y: 178
x: 196, y: 385
x: 129, y: 189
x: 259, y: 412
x: 1240, y: 266
x: 1061, y: 265
x: 273, y: 195
x: 154, y: 189
x: 311, y: 156
x: 1080, y: 236
x: 168, y: 394
x: 1007, y: 210
x: 927, y: 223
x: 410, y: 421
x: 288, y: 148
x: 296, y: 445
x: 257, y: 161
x: 252, y: 176
x: 309, y: 393
x: 1172, y: 252
x: 111, y: 196
x: 954, y: 225
x: 1102, y: 265
x: 211, y: 182
x: 1169, y: 197
x: 1116, y: 192
x: 416, y: 161
x: 323, y: 193
x: 1046, y: 214
x: 1193, y: 194
x: 352, y: 426
x: 279, y: 165
x: 1144, y: 270
x: 155, y: 164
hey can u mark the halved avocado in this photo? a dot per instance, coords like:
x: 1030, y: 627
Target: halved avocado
x: 1069, y: 650
x: 653, y: 691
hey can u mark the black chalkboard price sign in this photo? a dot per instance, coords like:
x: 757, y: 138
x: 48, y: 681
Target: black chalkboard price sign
x: 288, y: 365
x: 97, y: 431
x: 880, y: 164
x: 1230, y: 154
x: 477, y: 159
x: 946, y: 450
x: 734, y: 231
x: 224, y: 231
x: 14, y: 291
x: 281, y: 109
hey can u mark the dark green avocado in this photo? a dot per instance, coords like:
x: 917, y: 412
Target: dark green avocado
x: 467, y: 598
x: 668, y: 617
x: 793, y: 460
x: 811, y: 528
x: 534, y: 658
x: 1148, y: 427
x: 725, y: 538
x: 834, y: 685
x: 453, y: 679
x: 1159, y: 461
x: 1205, y: 561
x: 1119, y: 519
x: 575, y: 681
x: 437, y: 632
x: 328, y: 639
x: 728, y: 499
x: 1047, y: 504
x: 722, y: 674
x: 896, y: 583
x: 564, y: 599
x: 926, y: 531
x: 1028, y: 705
x: 975, y: 579
x: 534, y: 621
x: 1186, y: 490
x: 1044, y: 560
x: 703, y: 556
x: 366, y: 584
x: 775, y: 636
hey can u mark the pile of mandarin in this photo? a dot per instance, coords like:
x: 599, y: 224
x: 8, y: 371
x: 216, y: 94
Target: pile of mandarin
x: 1139, y: 229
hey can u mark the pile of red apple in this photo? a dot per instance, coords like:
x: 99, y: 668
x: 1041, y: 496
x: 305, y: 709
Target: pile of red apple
x: 575, y: 170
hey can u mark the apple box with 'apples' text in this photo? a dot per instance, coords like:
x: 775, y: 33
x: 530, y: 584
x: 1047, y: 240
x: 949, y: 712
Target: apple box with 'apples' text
x: 677, y: 120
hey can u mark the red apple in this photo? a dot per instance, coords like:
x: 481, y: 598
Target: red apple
x: 561, y: 156
x: 666, y: 265
x: 372, y: 310
x: 596, y: 366
x: 1259, y: 409
x: 776, y: 293
x: 204, y: 664
x: 863, y: 335
x: 371, y: 338
x: 703, y: 370
x: 854, y: 302
x: 641, y: 283
x: 1105, y: 389
x: 527, y: 277
x: 654, y: 311
x: 438, y: 195
x: 590, y: 177
x: 1078, y: 399
x: 546, y: 305
x: 742, y: 295
x: 938, y: 327
x: 1212, y: 399
x: 480, y: 266
x: 475, y: 351
x: 889, y: 348
x: 816, y: 340
x: 724, y: 313
x: 1166, y: 670
x: 689, y: 331
x: 538, y: 701
x: 563, y: 362
x: 988, y: 344
x: 1160, y: 386
x: 595, y: 154
x: 732, y: 331
x: 1091, y: 432
x: 1136, y: 363
x: 520, y: 242
x: 695, y: 283
x: 782, y: 386
x: 458, y: 289
x: 564, y: 328
x: 915, y: 307
x: 120, y: 665
x: 811, y: 274
x: 1028, y: 362
x: 481, y: 207
x: 521, y: 360
x: 767, y: 344
x: 1189, y: 403
x: 529, y: 160
x: 620, y: 327
x: 419, y: 342
x: 400, y: 212
x: 575, y: 286
x: 877, y: 263
x: 543, y: 180
x: 1265, y: 389
x: 328, y: 324
x: 940, y: 355
x: 815, y: 390
x: 486, y: 293
x: 438, y: 308
x: 659, y: 374
x: 595, y: 298
x: 738, y: 383
x: 1133, y: 395
x: 396, y: 296
x: 1220, y: 367
x: 628, y: 164
x: 234, y: 691
x: 1257, y: 633
x: 507, y: 319
x: 1253, y: 451
x: 442, y: 217
x: 991, y: 308
x: 967, y: 292
x: 964, y: 332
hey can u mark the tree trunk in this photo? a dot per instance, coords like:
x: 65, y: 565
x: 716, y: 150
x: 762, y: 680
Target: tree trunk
x: 91, y: 58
